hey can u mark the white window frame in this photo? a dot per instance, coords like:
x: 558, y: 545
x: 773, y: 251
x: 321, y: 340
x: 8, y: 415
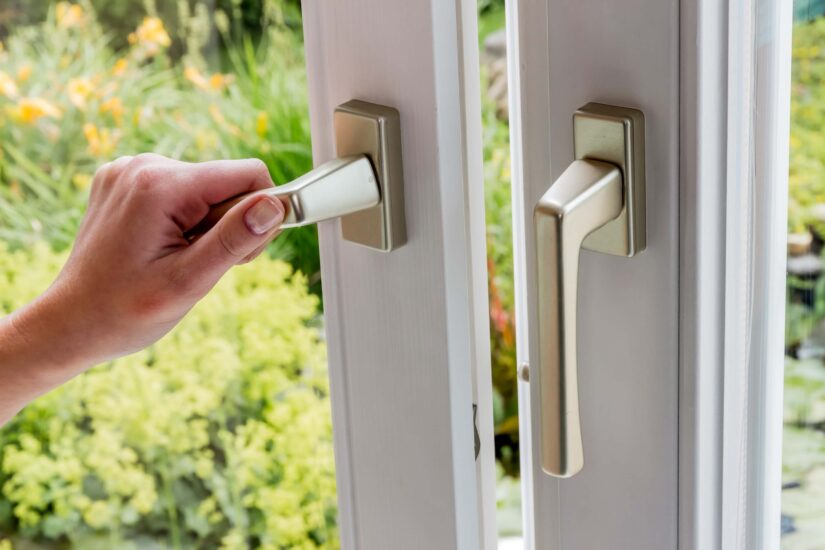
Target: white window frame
x: 734, y: 94
x: 408, y: 331
x: 735, y: 126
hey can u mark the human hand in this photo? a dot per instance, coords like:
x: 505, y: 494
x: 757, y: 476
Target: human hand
x: 132, y: 274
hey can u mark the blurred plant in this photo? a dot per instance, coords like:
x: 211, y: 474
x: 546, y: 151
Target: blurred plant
x: 804, y: 392
x: 500, y: 272
x: 218, y: 436
x: 119, y: 16
x: 69, y: 102
x: 807, y: 168
x: 807, y: 162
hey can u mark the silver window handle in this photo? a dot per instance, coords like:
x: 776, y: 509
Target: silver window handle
x: 363, y: 186
x: 336, y: 188
x: 597, y: 203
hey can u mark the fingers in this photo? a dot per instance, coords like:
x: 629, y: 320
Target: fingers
x: 107, y: 173
x: 217, y: 180
x: 183, y: 191
x: 115, y: 167
x: 240, y: 235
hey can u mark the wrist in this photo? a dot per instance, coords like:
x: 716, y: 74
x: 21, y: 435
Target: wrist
x: 34, y: 357
x: 47, y: 337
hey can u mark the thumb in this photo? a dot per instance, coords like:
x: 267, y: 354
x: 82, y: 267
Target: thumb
x: 243, y: 229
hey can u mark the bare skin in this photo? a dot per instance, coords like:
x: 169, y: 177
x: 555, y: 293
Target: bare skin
x: 132, y: 275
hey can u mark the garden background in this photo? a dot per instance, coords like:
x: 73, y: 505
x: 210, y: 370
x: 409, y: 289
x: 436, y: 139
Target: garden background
x: 220, y: 435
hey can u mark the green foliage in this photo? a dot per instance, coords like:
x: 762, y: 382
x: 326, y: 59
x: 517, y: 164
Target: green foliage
x: 491, y: 18
x: 218, y: 436
x: 119, y: 16
x: 500, y: 272
x: 804, y: 392
x: 806, y: 179
x: 508, y: 504
x: 807, y: 162
x: 70, y: 102
x: 801, y: 319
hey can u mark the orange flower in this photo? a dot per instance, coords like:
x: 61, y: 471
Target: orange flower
x: 7, y: 86
x: 113, y: 106
x: 101, y: 143
x: 151, y: 36
x: 32, y: 109
x: 69, y: 15
x: 79, y: 90
x: 217, y: 81
x: 195, y: 77
x: 24, y: 72
x: 120, y: 67
x: 220, y: 81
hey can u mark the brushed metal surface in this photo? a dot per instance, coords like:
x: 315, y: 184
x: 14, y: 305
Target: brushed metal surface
x: 597, y: 203
x: 336, y: 188
x: 585, y: 197
x: 374, y: 130
x: 616, y: 135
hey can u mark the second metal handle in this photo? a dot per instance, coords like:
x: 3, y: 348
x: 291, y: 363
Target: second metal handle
x: 585, y: 197
x: 598, y: 203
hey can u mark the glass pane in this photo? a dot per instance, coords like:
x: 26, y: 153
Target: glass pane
x: 218, y: 436
x: 803, y: 495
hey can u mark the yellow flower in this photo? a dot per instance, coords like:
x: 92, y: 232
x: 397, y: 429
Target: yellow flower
x: 101, y: 143
x: 81, y: 181
x: 114, y: 106
x: 7, y: 86
x: 32, y: 109
x: 5, y: 544
x: 79, y: 90
x: 69, y: 15
x: 220, y: 81
x: 261, y: 124
x: 195, y: 77
x: 24, y: 72
x: 206, y: 141
x: 217, y: 81
x: 91, y: 133
x: 151, y: 35
x: 120, y: 66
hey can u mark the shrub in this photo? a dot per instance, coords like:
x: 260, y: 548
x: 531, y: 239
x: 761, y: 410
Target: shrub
x: 217, y: 436
x: 807, y: 163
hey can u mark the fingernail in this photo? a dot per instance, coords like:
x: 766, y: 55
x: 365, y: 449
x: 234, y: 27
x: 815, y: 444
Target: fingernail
x: 263, y: 216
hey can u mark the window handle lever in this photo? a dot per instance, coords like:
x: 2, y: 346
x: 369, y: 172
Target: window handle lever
x: 597, y: 203
x: 364, y: 186
x: 334, y: 189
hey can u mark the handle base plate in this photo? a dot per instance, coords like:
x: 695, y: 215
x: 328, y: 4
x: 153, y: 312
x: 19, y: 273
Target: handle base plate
x: 616, y: 135
x: 375, y: 131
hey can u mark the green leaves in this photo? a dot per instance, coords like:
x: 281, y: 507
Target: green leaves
x: 219, y: 434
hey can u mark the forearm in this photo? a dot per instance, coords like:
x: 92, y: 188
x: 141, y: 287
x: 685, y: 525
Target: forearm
x: 36, y: 353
